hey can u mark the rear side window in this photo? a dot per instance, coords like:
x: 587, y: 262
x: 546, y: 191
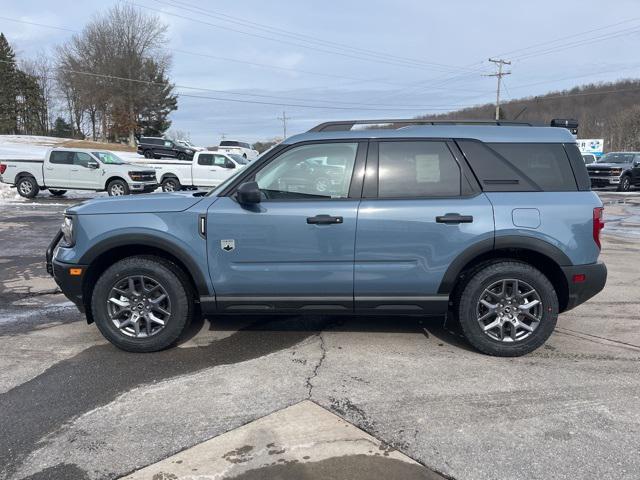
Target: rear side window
x: 62, y: 158
x: 417, y: 169
x: 546, y: 164
x: 205, y: 159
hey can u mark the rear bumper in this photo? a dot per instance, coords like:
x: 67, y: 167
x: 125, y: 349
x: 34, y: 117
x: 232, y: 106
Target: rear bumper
x: 595, y: 278
x: 71, y: 285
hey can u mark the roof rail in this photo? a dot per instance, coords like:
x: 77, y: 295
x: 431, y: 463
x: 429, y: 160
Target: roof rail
x: 342, y: 125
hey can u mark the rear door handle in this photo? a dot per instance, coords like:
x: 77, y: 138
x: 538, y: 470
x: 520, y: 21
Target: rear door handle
x: 454, y: 218
x: 324, y: 220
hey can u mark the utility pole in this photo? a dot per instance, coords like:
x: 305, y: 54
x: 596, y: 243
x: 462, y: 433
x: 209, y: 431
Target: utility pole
x: 499, y: 74
x: 284, y: 119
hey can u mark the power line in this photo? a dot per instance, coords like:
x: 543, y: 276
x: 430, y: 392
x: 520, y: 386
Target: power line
x: 301, y: 37
x: 287, y: 42
x: 234, y: 60
x: 499, y: 74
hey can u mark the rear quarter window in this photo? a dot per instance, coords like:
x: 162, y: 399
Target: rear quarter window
x: 546, y: 164
x: 62, y: 158
x: 520, y: 167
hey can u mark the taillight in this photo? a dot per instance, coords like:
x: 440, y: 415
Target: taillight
x: 3, y: 168
x: 598, y: 224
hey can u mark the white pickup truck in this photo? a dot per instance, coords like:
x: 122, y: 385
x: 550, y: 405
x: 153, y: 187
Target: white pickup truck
x: 77, y: 169
x: 206, y: 169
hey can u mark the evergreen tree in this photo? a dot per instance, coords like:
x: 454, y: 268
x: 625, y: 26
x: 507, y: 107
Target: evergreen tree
x: 62, y: 128
x: 31, y: 105
x: 161, y: 101
x: 8, y: 90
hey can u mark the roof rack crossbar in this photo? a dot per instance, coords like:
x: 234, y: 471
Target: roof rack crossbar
x: 344, y: 125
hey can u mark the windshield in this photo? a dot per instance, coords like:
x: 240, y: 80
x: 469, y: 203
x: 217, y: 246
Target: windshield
x: 616, y: 158
x: 239, y: 159
x: 109, y: 158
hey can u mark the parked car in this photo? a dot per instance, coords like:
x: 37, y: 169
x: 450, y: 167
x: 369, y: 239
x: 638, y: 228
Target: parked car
x: 206, y: 169
x: 494, y: 225
x: 589, y: 158
x: 187, y: 144
x: 77, y: 169
x: 156, y: 147
x: 240, y: 148
x: 618, y: 169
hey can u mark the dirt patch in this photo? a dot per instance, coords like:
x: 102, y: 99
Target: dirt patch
x: 119, y: 147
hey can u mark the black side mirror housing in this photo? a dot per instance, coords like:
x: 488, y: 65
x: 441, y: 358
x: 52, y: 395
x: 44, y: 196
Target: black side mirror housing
x: 92, y: 164
x: 248, y: 193
x: 230, y: 164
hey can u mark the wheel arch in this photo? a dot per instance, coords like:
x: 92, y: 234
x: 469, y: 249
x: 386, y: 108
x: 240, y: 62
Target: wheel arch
x: 111, y: 179
x: 109, y: 251
x: 540, y: 254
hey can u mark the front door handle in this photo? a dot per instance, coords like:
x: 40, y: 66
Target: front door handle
x: 324, y: 220
x: 454, y: 218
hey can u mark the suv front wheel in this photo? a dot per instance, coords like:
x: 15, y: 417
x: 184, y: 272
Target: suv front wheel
x: 142, y: 304
x: 507, y: 309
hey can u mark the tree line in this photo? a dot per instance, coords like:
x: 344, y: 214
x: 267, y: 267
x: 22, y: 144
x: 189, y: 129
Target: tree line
x: 609, y: 110
x: 109, y: 82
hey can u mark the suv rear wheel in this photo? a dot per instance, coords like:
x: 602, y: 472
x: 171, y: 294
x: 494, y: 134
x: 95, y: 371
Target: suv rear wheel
x: 507, y: 309
x: 142, y: 304
x: 148, y: 154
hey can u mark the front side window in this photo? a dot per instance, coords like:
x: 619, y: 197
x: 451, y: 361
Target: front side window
x: 82, y: 159
x: 309, y: 171
x: 221, y: 161
x: 417, y: 169
x: 168, y: 144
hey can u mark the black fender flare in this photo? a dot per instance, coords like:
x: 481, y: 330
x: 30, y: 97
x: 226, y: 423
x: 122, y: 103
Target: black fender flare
x: 144, y: 239
x: 502, y: 242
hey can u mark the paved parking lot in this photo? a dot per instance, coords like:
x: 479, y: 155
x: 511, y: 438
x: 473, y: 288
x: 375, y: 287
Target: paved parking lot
x: 73, y: 406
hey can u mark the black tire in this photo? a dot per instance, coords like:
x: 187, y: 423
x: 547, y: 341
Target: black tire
x: 173, y: 281
x: 117, y: 188
x: 625, y: 184
x: 57, y: 193
x: 148, y: 154
x: 27, y: 187
x: 469, y: 296
x: 182, y: 156
x: 171, y: 184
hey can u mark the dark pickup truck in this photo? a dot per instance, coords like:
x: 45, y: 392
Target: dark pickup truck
x: 619, y: 169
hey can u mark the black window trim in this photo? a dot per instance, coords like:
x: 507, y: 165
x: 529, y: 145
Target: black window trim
x: 469, y: 186
x: 357, y: 176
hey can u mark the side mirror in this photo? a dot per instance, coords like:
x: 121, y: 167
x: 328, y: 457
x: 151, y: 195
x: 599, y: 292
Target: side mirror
x: 229, y: 164
x: 92, y: 164
x: 248, y: 193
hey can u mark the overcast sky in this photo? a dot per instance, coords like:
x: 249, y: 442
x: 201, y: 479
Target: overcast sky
x: 364, y: 58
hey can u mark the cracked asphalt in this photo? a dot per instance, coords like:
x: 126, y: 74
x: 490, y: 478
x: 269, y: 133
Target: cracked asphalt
x: 72, y: 406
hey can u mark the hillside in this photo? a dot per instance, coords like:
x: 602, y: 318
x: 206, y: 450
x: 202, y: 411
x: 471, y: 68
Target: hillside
x: 605, y: 110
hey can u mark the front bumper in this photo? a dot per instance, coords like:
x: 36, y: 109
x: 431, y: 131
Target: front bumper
x: 71, y: 285
x: 595, y: 278
x: 143, y: 187
x: 605, y: 181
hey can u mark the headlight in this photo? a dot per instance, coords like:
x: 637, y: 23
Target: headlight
x: 616, y: 171
x: 67, y: 232
x: 189, y: 152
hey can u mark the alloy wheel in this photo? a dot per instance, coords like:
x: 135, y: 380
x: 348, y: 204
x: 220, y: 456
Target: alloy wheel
x: 139, y: 306
x: 25, y: 187
x: 117, y: 190
x: 509, y: 310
